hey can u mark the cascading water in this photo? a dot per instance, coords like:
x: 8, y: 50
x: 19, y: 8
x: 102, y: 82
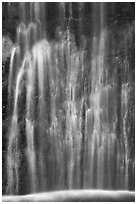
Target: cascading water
x: 65, y: 130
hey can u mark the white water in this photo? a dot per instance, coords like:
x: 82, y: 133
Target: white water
x: 77, y: 146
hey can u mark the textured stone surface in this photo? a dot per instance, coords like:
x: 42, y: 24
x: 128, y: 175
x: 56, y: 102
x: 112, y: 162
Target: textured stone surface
x: 7, y: 45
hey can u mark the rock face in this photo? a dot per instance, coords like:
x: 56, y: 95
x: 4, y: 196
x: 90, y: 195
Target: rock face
x: 68, y: 98
x: 6, y: 47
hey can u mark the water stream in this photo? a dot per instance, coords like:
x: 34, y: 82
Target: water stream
x: 63, y: 132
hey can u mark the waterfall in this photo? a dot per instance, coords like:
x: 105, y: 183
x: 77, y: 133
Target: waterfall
x: 66, y: 129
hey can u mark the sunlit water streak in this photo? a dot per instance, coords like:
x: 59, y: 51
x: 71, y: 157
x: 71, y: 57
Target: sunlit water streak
x: 67, y: 137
